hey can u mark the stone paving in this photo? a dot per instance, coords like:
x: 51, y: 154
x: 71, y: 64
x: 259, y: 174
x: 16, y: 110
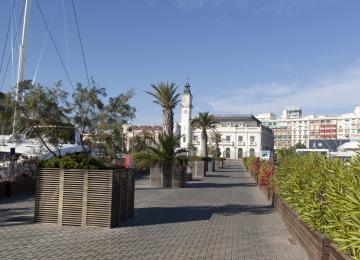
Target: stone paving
x: 223, y: 216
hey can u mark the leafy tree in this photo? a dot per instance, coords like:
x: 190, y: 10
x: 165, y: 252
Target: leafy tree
x: 116, y: 112
x: 7, y: 105
x: 45, y: 111
x: 101, y: 123
x: 140, y: 142
x: 165, y: 95
x: 86, y: 107
x: 204, y: 121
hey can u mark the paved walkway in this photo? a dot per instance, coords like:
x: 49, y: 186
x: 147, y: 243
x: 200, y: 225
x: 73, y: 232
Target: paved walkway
x: 222, y: 217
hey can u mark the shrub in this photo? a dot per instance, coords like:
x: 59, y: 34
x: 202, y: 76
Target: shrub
x: 73, y: 161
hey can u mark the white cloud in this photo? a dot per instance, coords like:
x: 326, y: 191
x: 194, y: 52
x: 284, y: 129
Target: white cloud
x: 331, y: 93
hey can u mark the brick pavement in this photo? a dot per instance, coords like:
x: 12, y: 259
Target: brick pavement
x: 223, y: 216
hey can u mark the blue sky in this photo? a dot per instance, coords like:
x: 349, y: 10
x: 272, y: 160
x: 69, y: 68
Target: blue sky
x: 241, y: 56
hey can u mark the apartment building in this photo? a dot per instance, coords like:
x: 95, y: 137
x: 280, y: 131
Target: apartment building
x: 292, y: 127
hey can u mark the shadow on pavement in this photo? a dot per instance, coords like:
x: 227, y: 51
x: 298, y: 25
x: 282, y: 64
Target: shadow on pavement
x: 16, y: 216
x: 219, y: 185
x: 217, y: 175
x: 165, y: 215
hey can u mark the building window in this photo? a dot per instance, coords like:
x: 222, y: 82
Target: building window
x: 227, y: 153
x: 240, y: 153
x: 252, y: 138
x: 195, y: 137
x: 184, y: 139
x: 240, y: 138
x: 252, y: 152
x: 227, y: 138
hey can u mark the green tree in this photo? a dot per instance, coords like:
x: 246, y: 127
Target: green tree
x: 45, y: 112
x: 165, y: 95
x: 140, y: 142
x: 99, y: 122
x: 86, y: 106
x: 7, y: 105
x: 204, y: 121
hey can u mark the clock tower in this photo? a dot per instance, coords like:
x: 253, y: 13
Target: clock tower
x: 186, y: 107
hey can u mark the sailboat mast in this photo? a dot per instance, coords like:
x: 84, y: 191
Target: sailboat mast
x: 21, y: 68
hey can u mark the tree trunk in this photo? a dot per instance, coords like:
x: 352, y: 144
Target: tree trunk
x: 204, y: 151
x: 168, y: 121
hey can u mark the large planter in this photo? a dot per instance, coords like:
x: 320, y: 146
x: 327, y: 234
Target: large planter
x: 210, y: 166
x: 216, y: 165
x: 268, y: 193
x: 316, y: 245
x: 167, y: 177
x: 73, y: 197
x: 20, y: 186
x: 161, y: 177
x: 179, y: 178
x: 199, y: 169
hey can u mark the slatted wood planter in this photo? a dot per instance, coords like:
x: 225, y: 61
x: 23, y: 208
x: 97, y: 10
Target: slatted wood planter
x: 199, y: 170
x: 73, y: 197
x: 3, y: 189
x: 20, y: 186
x: 179, y: 177
x: 316, y: 245
x: 216, y: 165
x: 167, y: 177
x: 210, y: 166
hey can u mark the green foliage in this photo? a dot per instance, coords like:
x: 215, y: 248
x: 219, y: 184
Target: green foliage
x: 215, y: 138
x: 165, y: 95
x: 326, y: 194
x: 101, y: 123
x: 7, y: 105
x: 161, y: 152
x: 204, y: 121
x: 73, y: 161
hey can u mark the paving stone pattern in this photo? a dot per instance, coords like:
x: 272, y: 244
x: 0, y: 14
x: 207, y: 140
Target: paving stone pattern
x: 223, y: 216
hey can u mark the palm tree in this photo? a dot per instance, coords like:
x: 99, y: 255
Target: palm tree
x: 161, y: 152
x: 204, y: 121
x: 165, y: 95
x: 215, y: 138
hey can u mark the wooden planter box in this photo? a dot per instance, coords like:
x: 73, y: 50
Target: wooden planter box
x: 268, y: 193
x: 167, y: 177
x: 189, y: 176
x: 179, y: 178
x: 161, y: 177
x: 210, y: 165
x: 73, y: 197
x: 316, y: 245
x: 216, y: 165
x: 19, y: 186
x: 199, y: 170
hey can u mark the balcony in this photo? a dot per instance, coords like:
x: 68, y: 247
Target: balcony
x: 241, y: 143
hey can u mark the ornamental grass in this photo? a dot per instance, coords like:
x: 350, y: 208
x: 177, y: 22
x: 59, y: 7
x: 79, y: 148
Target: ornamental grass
x: 325, y: 193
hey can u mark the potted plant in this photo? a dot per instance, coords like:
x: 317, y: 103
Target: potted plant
x: 161, y: 157
x: 80, y: 190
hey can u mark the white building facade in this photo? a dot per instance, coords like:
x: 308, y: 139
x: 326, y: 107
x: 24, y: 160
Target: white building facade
x: 241, y: 135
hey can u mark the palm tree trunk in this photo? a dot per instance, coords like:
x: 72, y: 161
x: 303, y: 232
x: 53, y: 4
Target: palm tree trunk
x: 203, y: 143
x: 168, y: 121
